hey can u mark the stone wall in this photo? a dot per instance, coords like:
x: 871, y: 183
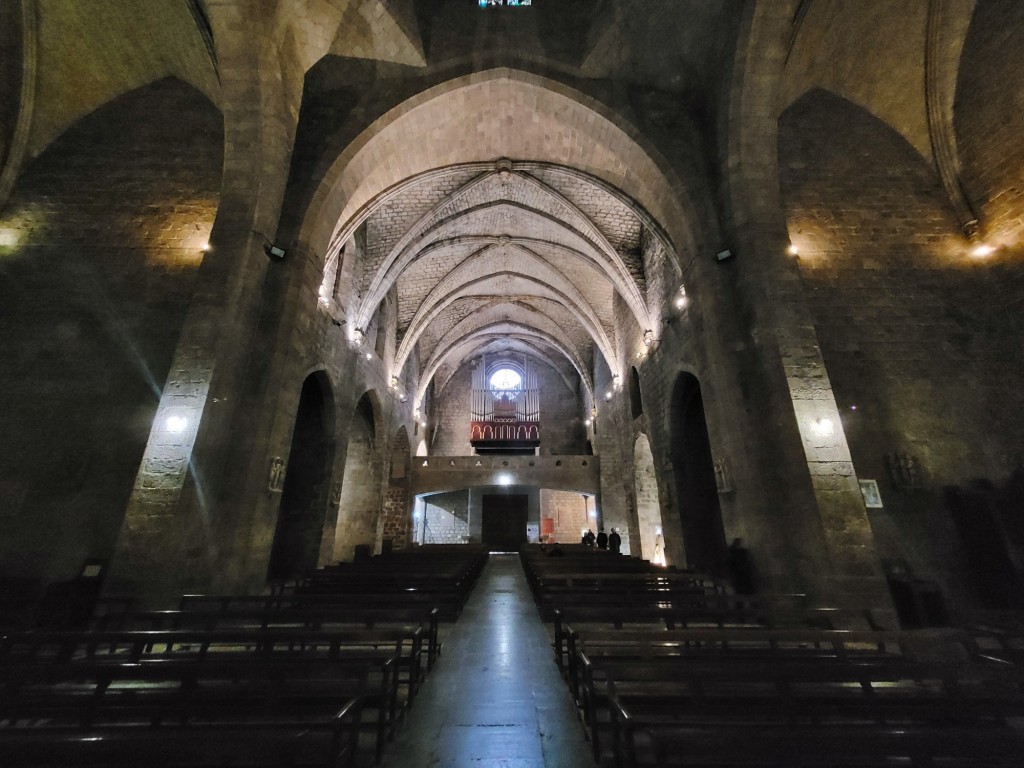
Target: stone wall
x: 99, y: 245
x: 910, y: 327
x: 446, y: 518
x: 563, y: 515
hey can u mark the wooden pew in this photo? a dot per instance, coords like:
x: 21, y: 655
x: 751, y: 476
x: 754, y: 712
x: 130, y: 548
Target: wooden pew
x: 393, y: 656
x: 656, y: 695
x: 167, y: 712
x: 655, y: 655
x: 692, y: 611
x: 657, y: 711
x: 211, y: 613
x: 820, y: 746
x: 603, y: 647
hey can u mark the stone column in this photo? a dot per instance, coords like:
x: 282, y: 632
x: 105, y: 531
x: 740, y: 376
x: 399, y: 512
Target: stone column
x: 172, y: 536
x: 821, y: 528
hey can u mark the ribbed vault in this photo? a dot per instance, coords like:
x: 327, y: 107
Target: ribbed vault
x: 477, y: 254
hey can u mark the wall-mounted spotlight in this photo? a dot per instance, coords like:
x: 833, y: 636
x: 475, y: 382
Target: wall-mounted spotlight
x: 983, y: 250
x: 822, y: 427
x: 176, y: 424
x: 608, y: 395
x: 276, y: 252
x: 792, y: 250
x: 680, y: 300
x: 369, y: 355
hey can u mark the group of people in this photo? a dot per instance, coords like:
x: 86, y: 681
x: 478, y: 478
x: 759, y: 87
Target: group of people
x: 602, y: 540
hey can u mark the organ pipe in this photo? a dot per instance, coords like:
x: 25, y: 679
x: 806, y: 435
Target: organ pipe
x: 527, y: 402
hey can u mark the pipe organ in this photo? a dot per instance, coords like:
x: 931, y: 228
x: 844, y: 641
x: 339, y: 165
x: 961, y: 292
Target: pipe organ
x: 505, y: 407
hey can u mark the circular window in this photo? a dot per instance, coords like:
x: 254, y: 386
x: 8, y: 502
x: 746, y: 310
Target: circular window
x: 506, y: 383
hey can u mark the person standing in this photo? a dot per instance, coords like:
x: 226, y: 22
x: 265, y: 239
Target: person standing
x: 602, y: 539
x: 737, y: 562
x: 614, y: 542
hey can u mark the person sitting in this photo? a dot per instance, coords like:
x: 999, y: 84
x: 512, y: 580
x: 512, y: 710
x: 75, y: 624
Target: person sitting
x: 588, y: 538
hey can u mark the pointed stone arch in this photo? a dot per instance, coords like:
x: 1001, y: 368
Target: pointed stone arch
x: 461, y: 279
x: 396, y: 513
x: 648, y: 502
x: 587, y: 238
x: 470, y: 339
x: 358, y: 497
x: 394, y: 149
x: 693, y: 468
x: 307, y: 483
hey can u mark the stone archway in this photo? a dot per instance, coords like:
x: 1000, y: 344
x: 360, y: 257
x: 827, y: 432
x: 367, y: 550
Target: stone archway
x: 636, y: 401
x: 304, y: 498
x: 395, y: 522
x: 648, y: 503
x: 359, y: 497
x: 696, y: 489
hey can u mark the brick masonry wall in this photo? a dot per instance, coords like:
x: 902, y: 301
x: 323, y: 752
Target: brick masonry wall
x: 446, y: 517
x: 564, y: 513
x: 909, y: 332
x: 102, y: 239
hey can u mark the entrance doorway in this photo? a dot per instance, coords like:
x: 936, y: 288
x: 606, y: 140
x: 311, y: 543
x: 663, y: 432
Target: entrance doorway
x: 503, y: 521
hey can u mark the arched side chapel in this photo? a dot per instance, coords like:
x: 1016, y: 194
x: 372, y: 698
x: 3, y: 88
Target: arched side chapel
x: 250, y: 273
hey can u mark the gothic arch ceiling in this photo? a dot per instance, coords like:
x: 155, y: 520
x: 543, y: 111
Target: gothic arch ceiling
x: 89, y: 53
x: 510, y: 339
x: 533, y: 255
x: 497, y: 347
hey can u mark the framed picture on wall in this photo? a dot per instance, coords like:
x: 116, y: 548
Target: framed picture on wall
x: 872, y: 497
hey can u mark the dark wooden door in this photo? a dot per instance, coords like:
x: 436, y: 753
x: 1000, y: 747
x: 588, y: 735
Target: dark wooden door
x: 504, y: 521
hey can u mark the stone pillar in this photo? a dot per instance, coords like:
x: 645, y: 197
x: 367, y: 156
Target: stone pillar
x: 820, y: 527
x: 175, y: 527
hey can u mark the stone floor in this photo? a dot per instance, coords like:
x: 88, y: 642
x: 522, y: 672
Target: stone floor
x: 495, y: 698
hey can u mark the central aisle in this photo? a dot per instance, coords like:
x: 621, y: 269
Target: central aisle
x: 495, y: 698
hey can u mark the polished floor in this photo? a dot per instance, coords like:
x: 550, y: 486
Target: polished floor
x: 495, y: 698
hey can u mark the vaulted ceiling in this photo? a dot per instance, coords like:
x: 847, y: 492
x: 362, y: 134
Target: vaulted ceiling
x: 507, y: 256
